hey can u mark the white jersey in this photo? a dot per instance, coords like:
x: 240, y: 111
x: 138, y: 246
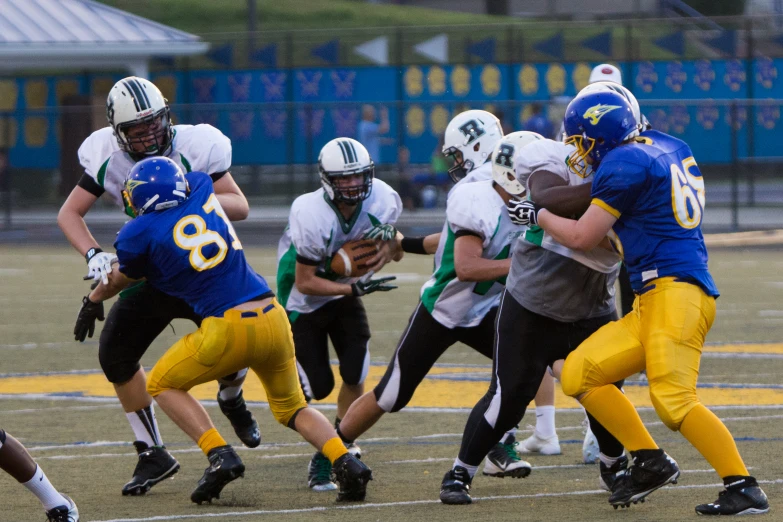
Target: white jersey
x: 478, y: 209
x: 316, y: 230
x: 199, y: 148
x: 554, y: 156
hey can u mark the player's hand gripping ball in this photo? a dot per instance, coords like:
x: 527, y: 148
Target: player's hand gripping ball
x: 351, y: 260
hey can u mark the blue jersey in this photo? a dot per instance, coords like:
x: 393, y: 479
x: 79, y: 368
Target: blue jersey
x: 655, y: 190
x: 191, y: 252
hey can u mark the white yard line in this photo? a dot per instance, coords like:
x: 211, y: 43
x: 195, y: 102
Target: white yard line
x: 375, y: 505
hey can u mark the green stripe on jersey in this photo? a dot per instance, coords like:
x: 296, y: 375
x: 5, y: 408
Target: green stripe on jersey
x: 286, y: 275
x: 443, y: 275
x: 185, y: 163
x: 102, y: 172
x: 535, y: 235
x: 482, y: 287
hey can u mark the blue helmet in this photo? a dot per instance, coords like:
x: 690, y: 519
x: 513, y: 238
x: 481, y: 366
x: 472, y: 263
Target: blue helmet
x: 154, y: 184
x: 596, y: 123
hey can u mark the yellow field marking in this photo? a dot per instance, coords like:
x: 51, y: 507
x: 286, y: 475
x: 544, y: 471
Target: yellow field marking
x: 432, y: 393
x: 745, y: 348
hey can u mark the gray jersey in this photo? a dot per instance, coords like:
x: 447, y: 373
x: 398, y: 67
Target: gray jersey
x: 547, y: 278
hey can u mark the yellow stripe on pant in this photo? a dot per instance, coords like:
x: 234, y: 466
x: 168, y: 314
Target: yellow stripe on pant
x: 259, y: 339
x: 664, y: 333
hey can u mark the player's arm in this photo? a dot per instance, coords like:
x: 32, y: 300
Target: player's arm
x: 553, y: 193
x: 425, y: 245
x: 469, y: 264
x: 231, y: 197
x: 70, y: 219
x: 309, y: 283
x: 117, y: 283
x: 585, y: 234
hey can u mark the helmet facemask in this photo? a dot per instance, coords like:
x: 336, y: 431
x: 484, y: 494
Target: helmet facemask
x: 461, y: 166
x: 154, y: 142
x: 353, y: 194
x: 578, y: 162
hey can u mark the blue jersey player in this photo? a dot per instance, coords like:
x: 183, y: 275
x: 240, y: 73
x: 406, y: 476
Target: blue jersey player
x: 648, y: 197
x: 182, y: 243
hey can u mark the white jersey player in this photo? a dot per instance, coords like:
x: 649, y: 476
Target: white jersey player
x: 320, y: 304
x: 140, y: 126
x: 459, y: 302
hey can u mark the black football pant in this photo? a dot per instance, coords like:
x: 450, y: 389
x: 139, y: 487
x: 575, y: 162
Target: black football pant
x: 525, y: 344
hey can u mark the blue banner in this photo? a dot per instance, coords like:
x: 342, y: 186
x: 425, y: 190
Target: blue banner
x: 276, y: 116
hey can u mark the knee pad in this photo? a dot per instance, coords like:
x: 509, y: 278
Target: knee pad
x: 154, y: 386
x: 117, y: 371
x: 571, y: 377
x: 2, y: 438
x: 671, y: 405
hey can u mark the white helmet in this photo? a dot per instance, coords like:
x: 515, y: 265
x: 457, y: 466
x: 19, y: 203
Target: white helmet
x: 503, y: 160
x: 605, y: 72
x: 472, y: 134
x: 134, y: 101
x: 343, y: 157
x: 609, y: 86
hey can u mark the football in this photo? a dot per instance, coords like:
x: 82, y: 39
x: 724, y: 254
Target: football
x: 351, y: 259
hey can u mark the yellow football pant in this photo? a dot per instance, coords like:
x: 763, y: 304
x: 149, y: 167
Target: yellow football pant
x: 260, y: 339
x: 664, y: 334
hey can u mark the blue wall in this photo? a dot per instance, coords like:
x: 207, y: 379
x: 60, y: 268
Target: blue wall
x: 250, y: 105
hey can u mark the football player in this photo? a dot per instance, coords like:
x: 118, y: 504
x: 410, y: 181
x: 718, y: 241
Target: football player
x: 648, y: 195
x: 322, y: 305
x: 183, y: 243
x: 140, y: 126
x: 544, y: 440
x: 15, y: 461
x: 459, y: 301
x: 553, y: 299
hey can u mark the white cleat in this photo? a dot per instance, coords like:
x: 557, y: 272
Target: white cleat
x: 590, y: 448
x: 503, y: 461
x: 540, y: 445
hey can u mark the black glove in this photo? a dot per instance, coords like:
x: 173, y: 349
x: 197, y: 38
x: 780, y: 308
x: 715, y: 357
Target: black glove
x: 367, y: 286
x: 85, y: 322
x: 523, y: 212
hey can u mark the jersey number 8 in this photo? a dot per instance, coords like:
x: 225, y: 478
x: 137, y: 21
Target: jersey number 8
x: 202, y: 237
x: 687, y: 194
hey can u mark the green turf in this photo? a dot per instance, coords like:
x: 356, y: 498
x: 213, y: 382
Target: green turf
x: 40, y: 292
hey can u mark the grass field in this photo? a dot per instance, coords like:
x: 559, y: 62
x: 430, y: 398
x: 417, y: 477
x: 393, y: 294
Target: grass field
x: 54, y: 398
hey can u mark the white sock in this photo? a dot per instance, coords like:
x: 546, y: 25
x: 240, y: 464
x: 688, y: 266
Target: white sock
x: 608, y: 461
x: 509, y: 435
x: 233, y: 388
x: 145, y: 426
x: 40, y: 486
x: 545, y: 421
x: 471, y: 469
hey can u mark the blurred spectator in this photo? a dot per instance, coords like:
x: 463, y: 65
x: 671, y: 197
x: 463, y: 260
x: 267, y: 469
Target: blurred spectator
x: 438, y: 163
x: 405, y: 185
x: 508, y: 127
x: 538, y: 122
x: 370, y: 132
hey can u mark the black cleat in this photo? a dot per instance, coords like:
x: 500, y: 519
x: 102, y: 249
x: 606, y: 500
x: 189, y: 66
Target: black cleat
x: 611, y: 474
x: 224, y: 466
x: 319, y: 473
x: 455, y: 488
x: 742, y: 496
x: 651, y: 470
x: 245, y: 426
x: 155, y: 464
x: 69, y: 513
x: 353, y: 475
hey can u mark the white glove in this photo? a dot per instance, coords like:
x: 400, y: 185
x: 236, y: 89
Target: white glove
x: 99, y: 264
